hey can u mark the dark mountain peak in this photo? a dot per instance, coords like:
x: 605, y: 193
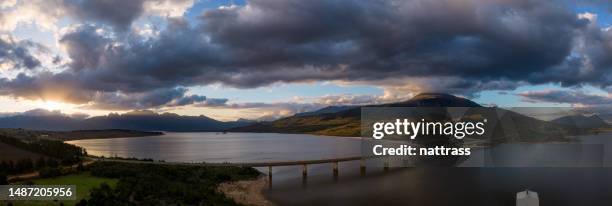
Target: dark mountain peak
x: 141, y: 113
x: 245, y: 120
x: 436, y: 100
x: 169, y: 114
x: 327, y: 110
x: 595, y: 117
x: 432, y: 95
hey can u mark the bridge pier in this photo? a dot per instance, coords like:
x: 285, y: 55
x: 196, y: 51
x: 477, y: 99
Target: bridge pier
x: 270, y: 176
x: 335, y: 169
x: 305, y: 170
x: 386, y: 165
x: 362, y: 167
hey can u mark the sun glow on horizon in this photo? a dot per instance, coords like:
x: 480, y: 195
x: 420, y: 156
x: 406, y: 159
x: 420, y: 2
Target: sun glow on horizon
x: 54, y: 105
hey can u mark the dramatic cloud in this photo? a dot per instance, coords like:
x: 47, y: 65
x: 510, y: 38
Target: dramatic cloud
x: 349, y: 100
x: 274, y: 110
x: 86, y: 45
x: 487, y: 41
x: 460, y: 47
x: 7, y: 3
x: 16, y: 54
x: 118, y: 14
x: 568, y: 97
x: 152, y: 99
x: 213, y: 102
x: 44, y: 112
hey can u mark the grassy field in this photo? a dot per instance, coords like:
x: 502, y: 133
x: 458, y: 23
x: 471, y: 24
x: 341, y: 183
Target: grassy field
x: 84, y: 182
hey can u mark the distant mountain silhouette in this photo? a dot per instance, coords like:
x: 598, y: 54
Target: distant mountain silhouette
x: 435, y: 100
x: 43, y: 122
x: 138, y: 120
x: 581, y: 121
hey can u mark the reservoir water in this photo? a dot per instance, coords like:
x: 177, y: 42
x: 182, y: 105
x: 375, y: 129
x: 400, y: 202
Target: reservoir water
x: 586, y: 179
x: 229, y: 147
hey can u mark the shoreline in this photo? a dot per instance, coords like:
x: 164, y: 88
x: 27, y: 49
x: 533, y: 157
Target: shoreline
x: 247, y: 192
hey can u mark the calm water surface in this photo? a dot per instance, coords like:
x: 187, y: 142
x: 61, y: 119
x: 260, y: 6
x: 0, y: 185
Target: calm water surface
x: 230, y: 147
x: 569, y: 175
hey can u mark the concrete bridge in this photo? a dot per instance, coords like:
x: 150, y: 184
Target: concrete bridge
x: 333, y: 161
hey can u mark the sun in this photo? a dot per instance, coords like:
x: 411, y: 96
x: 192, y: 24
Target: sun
x: 52, y: 105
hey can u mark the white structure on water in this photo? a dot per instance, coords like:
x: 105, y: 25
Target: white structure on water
x: 527, y: 198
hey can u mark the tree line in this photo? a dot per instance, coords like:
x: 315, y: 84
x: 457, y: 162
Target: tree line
x: 27, y: 165
x: 57, y: 153
x: 66, y: 153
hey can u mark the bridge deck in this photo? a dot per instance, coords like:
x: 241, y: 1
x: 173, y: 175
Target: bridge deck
x: 246, y: 164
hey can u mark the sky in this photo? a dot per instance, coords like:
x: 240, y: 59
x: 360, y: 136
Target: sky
x: 265, y: 59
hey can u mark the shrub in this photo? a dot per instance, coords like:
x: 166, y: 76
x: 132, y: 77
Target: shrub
x: 50, y: 172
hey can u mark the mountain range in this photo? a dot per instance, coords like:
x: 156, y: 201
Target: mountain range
x: 333, y: 120
x: 136, y: 120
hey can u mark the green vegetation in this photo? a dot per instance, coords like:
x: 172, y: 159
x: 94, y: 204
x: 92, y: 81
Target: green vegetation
x: 84, y: 183
x: 152, y: 184
x: 29, y: 150
x: 117, y: 183
x: 57, y: 153
x: 67, y: 153
x: 10, y: 152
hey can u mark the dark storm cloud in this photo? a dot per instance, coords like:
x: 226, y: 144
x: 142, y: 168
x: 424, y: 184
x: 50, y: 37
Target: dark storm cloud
x: 85, y: 46
x: 379, y: 39
x: 45, y: 112
x: 151, y: 99
x: 187, y: 100
x: 213, y: 102
x: 118, y: 13
x: 590, y: 63
x: 480, y: 44
x: 291, y: 41
x: 17, y: 53
x: 565, y: 96
x: 298, y: 106
x: 288, y: 108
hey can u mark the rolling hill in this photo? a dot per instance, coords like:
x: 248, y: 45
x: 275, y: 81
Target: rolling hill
x: 581, y: 121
